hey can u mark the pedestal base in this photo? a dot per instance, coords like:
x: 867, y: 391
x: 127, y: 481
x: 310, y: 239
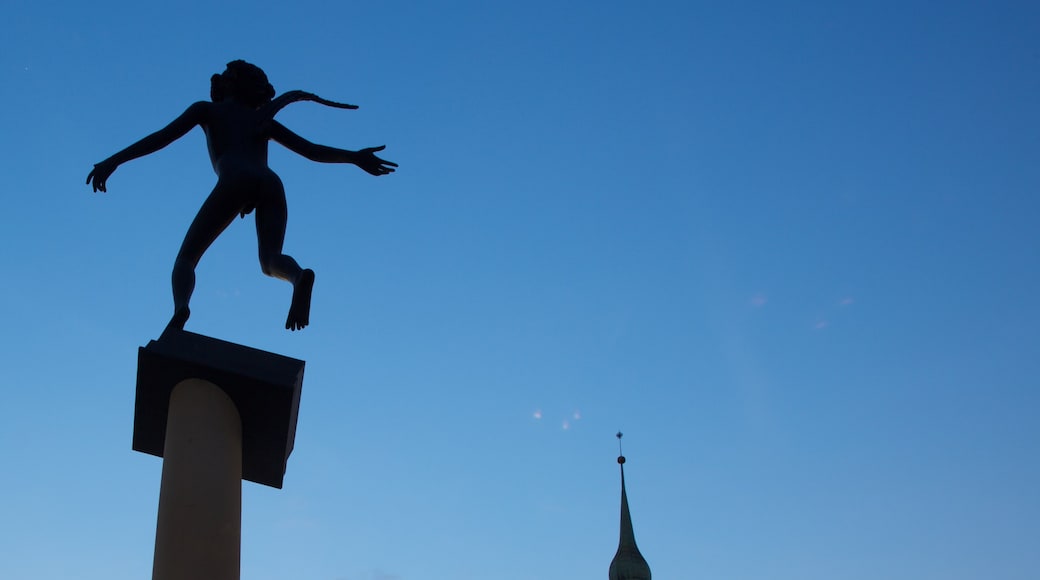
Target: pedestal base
x: 264, y: 387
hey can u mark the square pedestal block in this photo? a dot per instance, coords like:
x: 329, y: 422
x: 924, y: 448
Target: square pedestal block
x: 264, y: 386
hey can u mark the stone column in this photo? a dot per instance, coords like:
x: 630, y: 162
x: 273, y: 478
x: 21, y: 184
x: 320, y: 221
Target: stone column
x: 199, y: 529
x: 217, y: 413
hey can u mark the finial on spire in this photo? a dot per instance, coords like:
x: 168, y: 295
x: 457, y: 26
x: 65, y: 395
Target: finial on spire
x: 628, y: 563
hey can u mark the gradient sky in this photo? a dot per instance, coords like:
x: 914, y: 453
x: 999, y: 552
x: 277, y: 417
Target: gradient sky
x: 790, y: 249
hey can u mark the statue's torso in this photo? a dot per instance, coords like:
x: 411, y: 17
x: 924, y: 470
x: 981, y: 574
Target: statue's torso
x: 237, y: 138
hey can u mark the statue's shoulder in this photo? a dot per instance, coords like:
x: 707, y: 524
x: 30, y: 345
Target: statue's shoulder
x: 200, y: 111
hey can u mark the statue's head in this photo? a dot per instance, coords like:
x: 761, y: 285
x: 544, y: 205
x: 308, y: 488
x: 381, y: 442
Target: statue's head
x: 244, y: 82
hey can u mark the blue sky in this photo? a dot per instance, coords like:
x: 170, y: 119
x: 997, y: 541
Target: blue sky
x: 790, y: 249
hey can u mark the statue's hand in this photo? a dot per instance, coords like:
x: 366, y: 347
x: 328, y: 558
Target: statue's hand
x: 367, y: 160
x: 99, y: 175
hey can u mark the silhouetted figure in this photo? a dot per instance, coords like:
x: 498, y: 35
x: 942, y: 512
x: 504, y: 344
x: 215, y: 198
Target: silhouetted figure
x: 238, y: 124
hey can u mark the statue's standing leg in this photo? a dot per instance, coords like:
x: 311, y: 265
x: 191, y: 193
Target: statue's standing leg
x: 215, y: 215
x: 271, y: 217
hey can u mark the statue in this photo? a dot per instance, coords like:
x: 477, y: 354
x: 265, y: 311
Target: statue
x: 238, y: 124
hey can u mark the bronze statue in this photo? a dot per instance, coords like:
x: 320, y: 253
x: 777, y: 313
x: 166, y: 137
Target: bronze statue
x: 238, y: 124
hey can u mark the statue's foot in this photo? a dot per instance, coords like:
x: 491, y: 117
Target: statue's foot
x: 180, y: 316
x: 300, y: 310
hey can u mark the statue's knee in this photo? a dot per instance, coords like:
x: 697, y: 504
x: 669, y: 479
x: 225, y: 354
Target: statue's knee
x: 266, y: 266
x: 183, y: 267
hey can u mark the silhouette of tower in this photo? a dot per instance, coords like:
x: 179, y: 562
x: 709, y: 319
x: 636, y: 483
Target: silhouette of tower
x: 628, y: 563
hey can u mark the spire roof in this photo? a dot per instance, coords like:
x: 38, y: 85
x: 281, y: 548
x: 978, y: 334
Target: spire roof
x: 628, y: 563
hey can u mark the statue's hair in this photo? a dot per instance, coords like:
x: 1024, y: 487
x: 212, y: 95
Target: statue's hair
x: 245, y: 82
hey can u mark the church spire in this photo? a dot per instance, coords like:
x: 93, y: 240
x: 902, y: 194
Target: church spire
x: 628, y: 563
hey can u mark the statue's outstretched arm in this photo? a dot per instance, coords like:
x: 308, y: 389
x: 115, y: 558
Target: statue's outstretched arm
x: 150, y: 144
x: 365, y: 158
